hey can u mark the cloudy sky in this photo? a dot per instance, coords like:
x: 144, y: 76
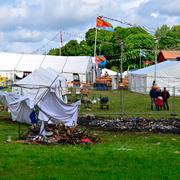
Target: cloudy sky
x: 33, y: 25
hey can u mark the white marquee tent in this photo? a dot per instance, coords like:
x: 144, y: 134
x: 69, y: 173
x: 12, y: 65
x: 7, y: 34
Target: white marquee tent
x: 12, y: 63
x: 166, y: 74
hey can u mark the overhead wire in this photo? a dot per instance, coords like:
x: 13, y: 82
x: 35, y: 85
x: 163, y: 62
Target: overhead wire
x: 54, y: 38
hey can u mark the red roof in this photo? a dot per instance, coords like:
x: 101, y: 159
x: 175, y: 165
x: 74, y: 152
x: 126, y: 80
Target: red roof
x: 170, y: 54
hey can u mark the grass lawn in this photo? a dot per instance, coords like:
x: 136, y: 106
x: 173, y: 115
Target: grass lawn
x: 130, y: 104
x: 118, y: 156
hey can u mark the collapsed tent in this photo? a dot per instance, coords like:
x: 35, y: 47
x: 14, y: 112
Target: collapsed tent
x: 19, y: 64
x: 38, y: 82
x: 54, y: 110
x: 45, y: 89
x: 165, y: 74
x: 51, y: 108
x: 19, y: 106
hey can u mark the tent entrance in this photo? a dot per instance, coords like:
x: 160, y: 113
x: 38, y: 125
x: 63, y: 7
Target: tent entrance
x: 76, y: 80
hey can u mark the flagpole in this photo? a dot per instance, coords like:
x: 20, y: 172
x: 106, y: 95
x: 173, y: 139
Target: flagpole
x: 60, y: 43
x: 95, y: 41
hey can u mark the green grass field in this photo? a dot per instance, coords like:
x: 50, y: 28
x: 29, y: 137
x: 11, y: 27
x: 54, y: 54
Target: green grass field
x: 117, y: 156
x: 130, y: 104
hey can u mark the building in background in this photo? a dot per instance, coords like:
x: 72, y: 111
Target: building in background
x: 168, y: 55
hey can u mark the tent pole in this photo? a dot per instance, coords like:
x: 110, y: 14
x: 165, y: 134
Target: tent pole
x: 47, y: 89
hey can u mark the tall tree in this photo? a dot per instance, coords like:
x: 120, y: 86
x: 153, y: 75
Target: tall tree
x: 72, y: 48
x: 169, y: 38
x: 162, y: 31
x: 134, y: 43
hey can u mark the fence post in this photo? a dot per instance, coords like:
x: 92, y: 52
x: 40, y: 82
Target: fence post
x: 174, y: 104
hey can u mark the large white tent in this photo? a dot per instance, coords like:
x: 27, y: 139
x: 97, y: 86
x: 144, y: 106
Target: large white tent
x: 12, y: 63
x: 166, y: 74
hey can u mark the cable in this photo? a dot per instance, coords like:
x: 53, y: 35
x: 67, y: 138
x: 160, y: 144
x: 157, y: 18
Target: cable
x: 55, y: 37
x: 129, y: 24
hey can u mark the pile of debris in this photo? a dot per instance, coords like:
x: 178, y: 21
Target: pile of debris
x: 133, y: 124
x: 60, y: 134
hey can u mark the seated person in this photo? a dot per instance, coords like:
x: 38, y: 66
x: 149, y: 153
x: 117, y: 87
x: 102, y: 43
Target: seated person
x: 106, y: 74
x: 159, y: 103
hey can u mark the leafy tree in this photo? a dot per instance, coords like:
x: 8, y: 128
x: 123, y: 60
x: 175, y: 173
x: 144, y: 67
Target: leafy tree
x: 133, y: 44
x: 54, y: 52
x: 133, y: 38
x: 169, y: 38
x: 85, y: 50
x: 72, y: 48
x: 162, y: 31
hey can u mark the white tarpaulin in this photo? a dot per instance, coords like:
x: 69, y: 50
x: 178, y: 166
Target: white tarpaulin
x: 55, y: 110
x: 166, y: 74
x: 51, y: 108
x: 19, y: 106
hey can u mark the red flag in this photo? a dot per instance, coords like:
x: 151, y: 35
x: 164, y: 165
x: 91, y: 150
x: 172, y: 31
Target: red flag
x: 100, y: 23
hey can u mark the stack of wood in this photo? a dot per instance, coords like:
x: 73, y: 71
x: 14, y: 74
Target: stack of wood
x: 60, y: 134
x: 104, y: 80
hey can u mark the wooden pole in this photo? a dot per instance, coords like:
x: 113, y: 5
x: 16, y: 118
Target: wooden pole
x: 95, y: 42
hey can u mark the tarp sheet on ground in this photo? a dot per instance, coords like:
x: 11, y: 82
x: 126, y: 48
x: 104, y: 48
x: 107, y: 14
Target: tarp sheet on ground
x: 165, y: 73
x: 51, y: 108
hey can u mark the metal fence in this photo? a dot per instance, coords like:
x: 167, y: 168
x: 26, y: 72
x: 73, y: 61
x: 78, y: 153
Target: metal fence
x: 125, y: 102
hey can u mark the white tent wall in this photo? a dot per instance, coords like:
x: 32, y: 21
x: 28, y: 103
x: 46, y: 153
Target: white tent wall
x: 167, y: 75
x: 11, y: 63
x: 30, y: 62
x: 138, y: 83
x: 81, y: 65
x: 109, y: 71
x: 55, y: 62
x: 8, y: 63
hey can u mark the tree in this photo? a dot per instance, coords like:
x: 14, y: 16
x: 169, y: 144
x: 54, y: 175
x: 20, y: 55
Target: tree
x: 169, y: 38
x: 162, y: 31
x: 135, y: 42
x: 72, y: 48
x: 54, y: 52
x: 85, y: 50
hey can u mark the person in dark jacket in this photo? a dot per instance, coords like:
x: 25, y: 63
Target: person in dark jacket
x: 165, y: 96
x: 153, y: 95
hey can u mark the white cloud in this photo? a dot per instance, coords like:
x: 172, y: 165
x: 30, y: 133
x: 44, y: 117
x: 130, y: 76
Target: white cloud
x: 155, y: 14
x: 25, y: 25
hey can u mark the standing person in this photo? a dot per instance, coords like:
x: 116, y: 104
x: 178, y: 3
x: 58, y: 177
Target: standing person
x: 153, y: 95
x: 165, y: 96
